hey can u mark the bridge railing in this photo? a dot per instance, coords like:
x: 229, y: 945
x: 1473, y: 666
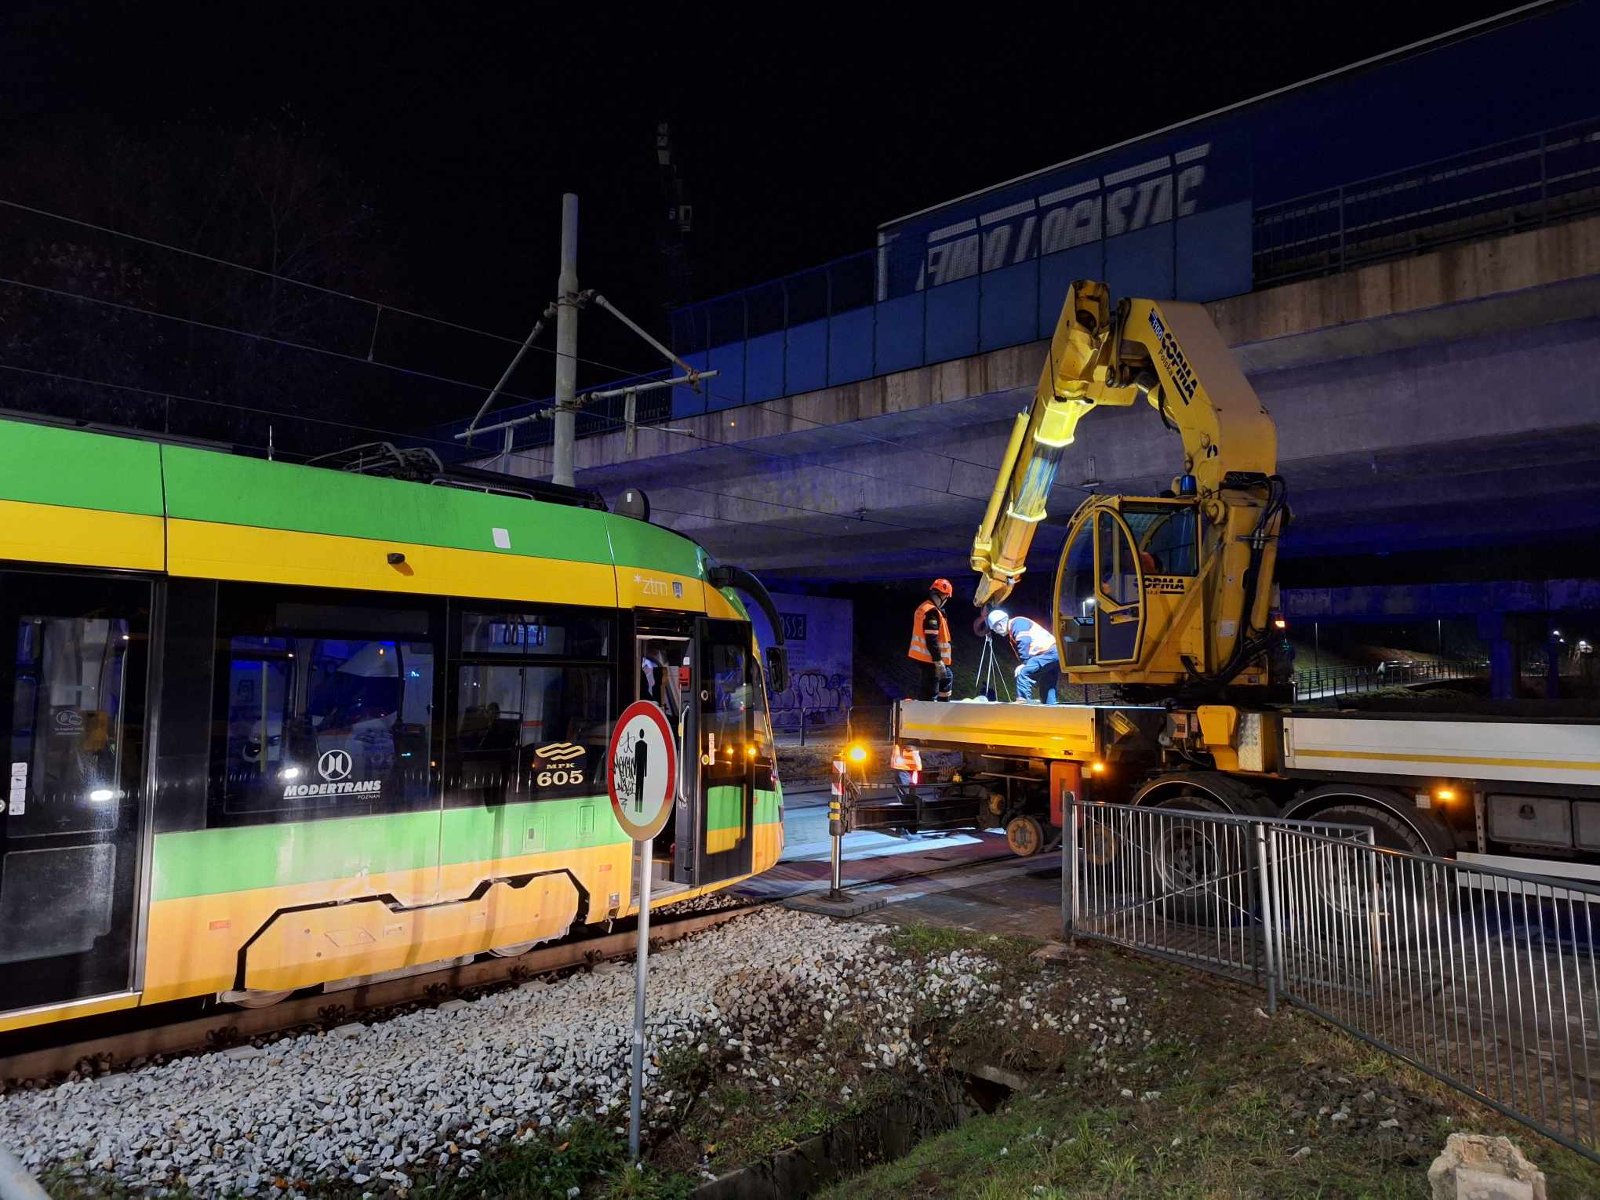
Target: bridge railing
x: 1502, y: 188
x: 844, y: 321
x: 1326, y: 683
x: 1485, y: 979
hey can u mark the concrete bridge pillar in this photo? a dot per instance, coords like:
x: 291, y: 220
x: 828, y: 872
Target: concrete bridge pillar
x: 1498, y: 629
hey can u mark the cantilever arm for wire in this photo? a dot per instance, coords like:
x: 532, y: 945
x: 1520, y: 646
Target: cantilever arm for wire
x: 505, y: 378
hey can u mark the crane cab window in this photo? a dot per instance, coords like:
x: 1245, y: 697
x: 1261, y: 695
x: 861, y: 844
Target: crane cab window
x: 1100, y: 592
x: 1166, y: 535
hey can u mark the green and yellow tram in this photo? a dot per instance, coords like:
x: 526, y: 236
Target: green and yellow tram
x: 275, y: 726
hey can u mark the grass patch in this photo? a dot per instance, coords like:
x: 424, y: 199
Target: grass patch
x: 1217, y: 1102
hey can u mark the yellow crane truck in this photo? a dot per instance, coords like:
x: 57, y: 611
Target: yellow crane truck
x: 1170, y: 599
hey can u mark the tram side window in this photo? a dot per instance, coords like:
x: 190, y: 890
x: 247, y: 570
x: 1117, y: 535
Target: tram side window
x: 66, y: 733
x: 544, y: 634
x: 309, y: 724
x: 530, y: 732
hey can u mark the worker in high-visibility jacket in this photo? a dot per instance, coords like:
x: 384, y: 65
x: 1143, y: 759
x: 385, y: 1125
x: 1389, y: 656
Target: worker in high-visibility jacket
x: 930, y: 643
x: 1039, y: 669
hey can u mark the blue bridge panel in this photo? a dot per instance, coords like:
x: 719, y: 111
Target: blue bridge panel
x: 686, y: 402
x: 952, y: 321
x: 763, y: 367
x: 897, y: 340
x: 850, y: 346
x: 1009, y: 312
x: 806, y: 365
x: 1140, y: 264
x: 727, y: 389
x: 1214, y: 253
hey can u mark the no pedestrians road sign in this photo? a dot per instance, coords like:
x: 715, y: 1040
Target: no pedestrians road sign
x: 642, y: 767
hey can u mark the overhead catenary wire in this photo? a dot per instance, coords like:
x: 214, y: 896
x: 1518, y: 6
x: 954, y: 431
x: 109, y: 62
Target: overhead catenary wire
x: 370, y: 429
x: 238, y: 266
x: 432, y: 377
x: 407, y: 371
x: 525, y: 343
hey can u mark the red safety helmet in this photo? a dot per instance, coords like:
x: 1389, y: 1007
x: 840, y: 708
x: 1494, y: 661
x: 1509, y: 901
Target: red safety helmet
x: 942, y: 586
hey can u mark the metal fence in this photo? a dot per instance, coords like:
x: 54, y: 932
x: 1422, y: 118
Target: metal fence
x: 1502, y: 188
x: 1324, y: 683
x: 1181, y: 885
x: 1486, y: 979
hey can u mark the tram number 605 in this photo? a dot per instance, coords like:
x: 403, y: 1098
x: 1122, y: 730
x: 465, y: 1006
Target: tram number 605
x: 559, y: 778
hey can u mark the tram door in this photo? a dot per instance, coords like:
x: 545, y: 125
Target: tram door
x: 726, y: 696
x: 666, y: 658
x: 73, y: 650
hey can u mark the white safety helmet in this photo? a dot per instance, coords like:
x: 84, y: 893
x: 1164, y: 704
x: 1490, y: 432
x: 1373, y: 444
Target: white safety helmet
x: 998, y: 621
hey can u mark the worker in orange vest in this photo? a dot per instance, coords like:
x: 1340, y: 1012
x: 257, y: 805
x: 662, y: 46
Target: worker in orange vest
x: 930, y: 643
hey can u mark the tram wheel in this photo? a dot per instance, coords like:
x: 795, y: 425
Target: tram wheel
x: 258, y: 998
x: 516, y: 950
x: 1025, y: 836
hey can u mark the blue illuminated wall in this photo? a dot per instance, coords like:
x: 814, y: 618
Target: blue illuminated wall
x: 1173, y: 215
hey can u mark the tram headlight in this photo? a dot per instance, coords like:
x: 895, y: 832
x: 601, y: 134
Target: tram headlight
x: 101, y: 795
x: 289, y: 773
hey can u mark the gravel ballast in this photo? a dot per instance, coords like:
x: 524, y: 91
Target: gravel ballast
x: 375, y: 1105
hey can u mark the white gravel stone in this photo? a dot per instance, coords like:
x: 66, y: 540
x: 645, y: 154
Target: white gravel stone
x: 386, y: 1102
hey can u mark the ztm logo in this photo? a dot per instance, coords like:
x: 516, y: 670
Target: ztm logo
x: 334, y: 765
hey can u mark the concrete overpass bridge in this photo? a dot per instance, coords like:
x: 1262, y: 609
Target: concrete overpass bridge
x: 1424, y: 333
x: 1445, y: 400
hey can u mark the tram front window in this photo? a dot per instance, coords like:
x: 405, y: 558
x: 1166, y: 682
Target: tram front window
x: 728, y: 718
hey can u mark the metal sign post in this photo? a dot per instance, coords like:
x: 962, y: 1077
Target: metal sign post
x: 836, y: 830
x: 641, y: 959
x: 641, y: 775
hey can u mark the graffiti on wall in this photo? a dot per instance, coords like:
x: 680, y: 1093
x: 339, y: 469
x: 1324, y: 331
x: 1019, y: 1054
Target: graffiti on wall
x: 820, y: 696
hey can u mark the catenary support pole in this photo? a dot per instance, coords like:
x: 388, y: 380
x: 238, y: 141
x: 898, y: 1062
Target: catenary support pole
x: 567, y: 301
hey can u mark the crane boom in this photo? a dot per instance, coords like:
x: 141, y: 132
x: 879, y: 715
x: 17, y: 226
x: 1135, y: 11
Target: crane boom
x: 1173, y: 356
x: 1169, y: 591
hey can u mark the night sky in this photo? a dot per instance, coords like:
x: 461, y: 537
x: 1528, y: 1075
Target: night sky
x: 798, y: 128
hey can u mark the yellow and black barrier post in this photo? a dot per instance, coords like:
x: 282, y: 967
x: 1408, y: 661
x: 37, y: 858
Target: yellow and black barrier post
x: 836, y: 830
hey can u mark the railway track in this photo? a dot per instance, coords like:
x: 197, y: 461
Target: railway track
x: 229, y: 1027
x: 327, y: 1010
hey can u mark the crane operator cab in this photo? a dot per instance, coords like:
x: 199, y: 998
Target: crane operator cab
x: 1128, y: 565
x: 1149, y: 591
x: 1169, y: 593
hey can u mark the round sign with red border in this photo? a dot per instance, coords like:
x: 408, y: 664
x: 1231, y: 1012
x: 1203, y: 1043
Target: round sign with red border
x: 642, y: 770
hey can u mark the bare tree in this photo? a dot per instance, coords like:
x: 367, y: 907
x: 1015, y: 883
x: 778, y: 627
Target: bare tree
x: 89, y: 305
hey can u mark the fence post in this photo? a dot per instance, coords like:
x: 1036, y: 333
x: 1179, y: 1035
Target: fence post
x: 1069, y: 865
x: 1341, y: 227
x: 1544, y: 182
x: 1268, y: 922
x: 802, y: 726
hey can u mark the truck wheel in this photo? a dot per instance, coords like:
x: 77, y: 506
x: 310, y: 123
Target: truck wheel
x: 1396, y: 823
x: 1388, y: 830
x: 1204, y: 871
x: 1344, y: 881
x: 1025, y: 836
